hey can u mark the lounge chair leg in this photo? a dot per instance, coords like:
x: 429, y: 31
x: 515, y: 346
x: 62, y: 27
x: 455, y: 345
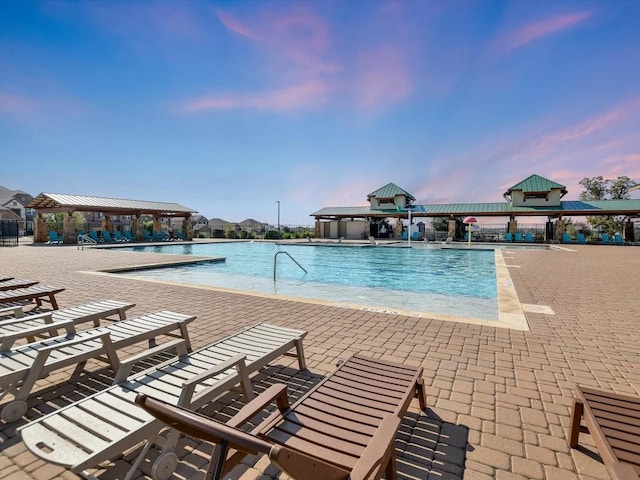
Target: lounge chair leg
x: 576, y: 416
x: 300, y: 351
x: 390, y: 471
x: 422, y: 397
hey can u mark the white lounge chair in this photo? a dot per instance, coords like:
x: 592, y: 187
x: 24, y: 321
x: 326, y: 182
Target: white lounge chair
x: 21, y: 325
x: 109, y: 422
x: 21, y: 367
x: 35, y: 293
x: 17, y: 283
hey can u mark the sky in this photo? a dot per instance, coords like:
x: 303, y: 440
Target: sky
x: 228, y: 107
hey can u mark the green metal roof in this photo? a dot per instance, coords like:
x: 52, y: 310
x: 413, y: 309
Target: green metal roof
x: 536, y: 183
x: 390, y: 190
x: 600, y: 207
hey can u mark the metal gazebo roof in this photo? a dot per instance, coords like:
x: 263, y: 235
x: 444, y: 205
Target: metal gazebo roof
x: 54, y: 202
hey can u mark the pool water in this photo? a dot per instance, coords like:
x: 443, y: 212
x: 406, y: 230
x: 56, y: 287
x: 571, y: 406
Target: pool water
x: 447, y: 281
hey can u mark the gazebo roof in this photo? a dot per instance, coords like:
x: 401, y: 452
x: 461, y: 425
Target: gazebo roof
x: 390, y: 190
x: 54, y: 202
x: 536, y: 183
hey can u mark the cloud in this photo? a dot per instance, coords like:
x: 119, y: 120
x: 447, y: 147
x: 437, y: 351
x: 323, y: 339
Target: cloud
x: 382, y: 75
x: 309, y: 95
x: 17, y: 105
x: 515, y: 39
x: 235, y: 26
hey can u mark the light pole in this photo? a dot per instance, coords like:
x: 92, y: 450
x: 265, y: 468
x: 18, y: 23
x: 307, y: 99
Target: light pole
x: 278, y: 202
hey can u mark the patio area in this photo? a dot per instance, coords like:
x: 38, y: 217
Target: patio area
x: 498, y: 399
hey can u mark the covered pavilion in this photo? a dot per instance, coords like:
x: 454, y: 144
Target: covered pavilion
x: 533, y: 196
x: 46, y: 203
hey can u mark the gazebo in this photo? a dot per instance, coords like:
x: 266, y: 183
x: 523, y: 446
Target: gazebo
x: 109, y: 207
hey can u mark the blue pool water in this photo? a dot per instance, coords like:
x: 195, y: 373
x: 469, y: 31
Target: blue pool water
x: 446, y: 281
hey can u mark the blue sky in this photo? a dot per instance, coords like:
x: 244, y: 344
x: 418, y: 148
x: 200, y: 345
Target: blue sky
x: 227, y: 107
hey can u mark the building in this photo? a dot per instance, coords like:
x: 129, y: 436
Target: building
x: 391, y: 206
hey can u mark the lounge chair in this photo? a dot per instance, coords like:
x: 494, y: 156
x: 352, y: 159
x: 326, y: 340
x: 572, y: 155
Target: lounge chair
x: 21, y: 367
x: 129, y: 236
x: 605, y: 239
x: 4, y: 279
x: 54, y: 239
x: 24, y: 326
x: 147, y: 236
x: 415, y: 236
x: 614, y: 423
x: 566, y: 238
x: 508, y: 237
x: 372, y: 241
x: 518, y: 237
x: 405, y: 236
x: 528, y: 237
x: 93, y: 235
x: 107, y: 423
x: 617, y: 239
x: 37, y: 293
x: 118, y: 236
x: 16, y: 283
x: 106, y: 236
x: 344, y: 428
x: 580, y: 238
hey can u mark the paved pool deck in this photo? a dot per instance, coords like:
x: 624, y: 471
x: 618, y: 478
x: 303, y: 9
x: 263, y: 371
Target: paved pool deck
x: 498, y: 398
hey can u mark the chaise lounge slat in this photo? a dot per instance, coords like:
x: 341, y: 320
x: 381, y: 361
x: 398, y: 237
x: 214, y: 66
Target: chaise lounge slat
x: 15, y: 283
x: 191, y: 380
x: 29, y: 326
x: 321, y: 436
x: 613, y: 421
x: 21, y: 367
x: 35, y: 293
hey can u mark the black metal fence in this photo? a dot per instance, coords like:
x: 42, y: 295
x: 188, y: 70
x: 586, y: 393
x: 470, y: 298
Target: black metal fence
x: 9, y: 233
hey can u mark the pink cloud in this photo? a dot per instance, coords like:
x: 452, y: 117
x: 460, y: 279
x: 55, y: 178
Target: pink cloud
x: 308, y: 95
x: 513, y: 40
x: 235, y: 26
x: 12, y: 104
x: 382, y: 75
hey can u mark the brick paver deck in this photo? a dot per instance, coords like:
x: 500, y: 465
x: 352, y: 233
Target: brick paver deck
x: 498, y: 399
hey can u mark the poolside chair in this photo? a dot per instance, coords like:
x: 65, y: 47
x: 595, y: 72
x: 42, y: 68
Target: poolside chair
x: 4, y: 278
x: 106, y: 236
x: 29, y: 326
x: 119, y: 237
x: 617, y: 239
x: 566, y: 238
x: 518, y: 237
x: 528, y: 237
x: 580, y: 238
x: 415, y: 236
x: 21, y: 367
x: 344, y: 428
x: 508, y: 237
x: 35, y: 293
x: 147, y: 236
x: 613, y: 421
x: 405, y: 236
x: 605, y: 239
x: 17, y: 283
x: 107, y: 423
x: 93, y: 235
x: 372, y: 241
x: 129, y: 236
x: 54, y: 239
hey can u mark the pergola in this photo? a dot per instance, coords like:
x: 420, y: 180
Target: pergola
x: 109, y: 207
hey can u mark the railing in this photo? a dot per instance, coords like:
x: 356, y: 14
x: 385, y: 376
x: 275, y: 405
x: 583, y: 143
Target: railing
x: 275, y: 258
x: 85, y: 240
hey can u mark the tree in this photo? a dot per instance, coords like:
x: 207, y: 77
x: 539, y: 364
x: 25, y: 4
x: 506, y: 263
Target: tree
x: 599, y: 188
x: 55, y: 221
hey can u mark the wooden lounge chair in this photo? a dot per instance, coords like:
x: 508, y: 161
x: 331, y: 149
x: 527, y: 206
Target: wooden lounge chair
x: 22, y: 326
x: 35, y: 293
x: 614, y: 423
x: 107, y: 423
x: 16, y: 283
x: 4, y: 279
x: 344, y: 428
x: 21, y: 367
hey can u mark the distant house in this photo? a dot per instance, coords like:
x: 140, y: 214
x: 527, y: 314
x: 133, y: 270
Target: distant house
x: 16, y: 201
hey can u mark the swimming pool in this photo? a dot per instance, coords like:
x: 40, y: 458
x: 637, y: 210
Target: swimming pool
x: 446, y: 281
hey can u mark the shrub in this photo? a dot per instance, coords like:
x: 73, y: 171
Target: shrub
x: 272, y: 235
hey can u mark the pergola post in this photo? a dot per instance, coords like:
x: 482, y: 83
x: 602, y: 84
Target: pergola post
x: 187, y: 228
x: 451, y: 231
x: 513, y: 226
x: 68, y: 234
x: 40, y: 229
x: 367, y: 228
x: 397, y: 233
x: 316, y: 229
x: 560, y: 229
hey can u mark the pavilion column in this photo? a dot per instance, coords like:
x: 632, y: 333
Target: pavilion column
x: 68, y: 233
x: 134, y: 227
x: 451, y: 232
x: 317, y: 229
x: 157, y: 225
x: 187, y: 228
x: 107, y: 224
x: 40, y: 229
x: 367, y: 228
x: 627, y: 231
x: 397, y: 232
x: 513, y: 226
x: 560, y: 229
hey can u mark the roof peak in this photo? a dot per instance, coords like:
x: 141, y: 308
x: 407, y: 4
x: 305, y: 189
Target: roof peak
x: 390, y: 190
